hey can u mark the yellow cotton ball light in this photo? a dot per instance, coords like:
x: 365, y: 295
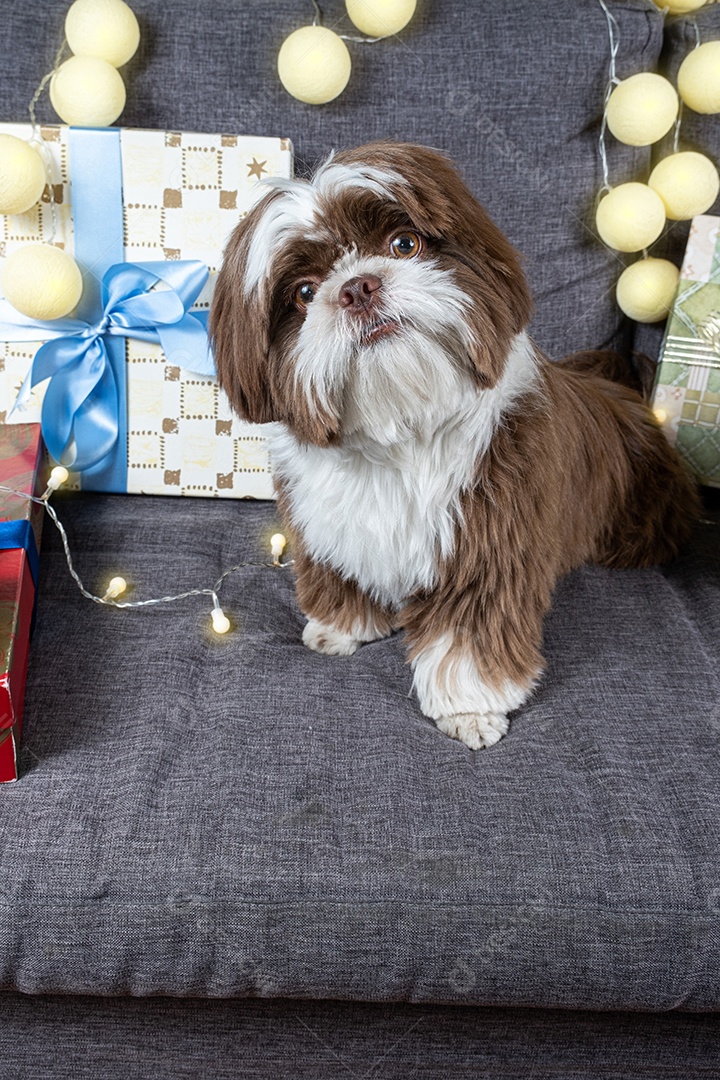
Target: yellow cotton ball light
x: 698, y: 78
x: 87, y: 92
x: 22, y: 175
x: 646, y: 289
x: 680, y: 7
x: 106, y: 29
x: 688, y: 184
x: 314, y: 65
x: 642, y: 109
x: 379, y: 18
x: 41, y: 281
x: 630, y: 217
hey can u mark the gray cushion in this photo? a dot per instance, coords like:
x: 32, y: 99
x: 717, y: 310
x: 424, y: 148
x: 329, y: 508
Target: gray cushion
x: 512, y: 92
x: 238, y: 815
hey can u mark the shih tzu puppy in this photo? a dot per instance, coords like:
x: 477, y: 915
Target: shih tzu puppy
x: 437, y: 473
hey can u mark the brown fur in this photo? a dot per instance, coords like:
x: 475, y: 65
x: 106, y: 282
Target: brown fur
x: 579, y: 471
x: 580, y: 474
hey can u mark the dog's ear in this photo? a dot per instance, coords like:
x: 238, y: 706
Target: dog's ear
x: 252, y: 349
x: 483, y: 261
x: 238, y: 329
x: 487, y: 268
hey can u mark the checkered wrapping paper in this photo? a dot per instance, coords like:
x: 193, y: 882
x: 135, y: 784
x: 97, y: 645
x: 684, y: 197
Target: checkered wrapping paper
x: 183, y: 193
x: 687, y: 387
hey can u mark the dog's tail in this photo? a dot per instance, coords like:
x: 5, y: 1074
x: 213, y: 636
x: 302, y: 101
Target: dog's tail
x: 638, y: 373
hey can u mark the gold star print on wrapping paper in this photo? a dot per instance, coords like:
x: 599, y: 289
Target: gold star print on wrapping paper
x: 257, y: 168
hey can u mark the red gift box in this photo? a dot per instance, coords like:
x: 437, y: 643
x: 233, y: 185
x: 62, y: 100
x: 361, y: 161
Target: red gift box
x: 20, y: 525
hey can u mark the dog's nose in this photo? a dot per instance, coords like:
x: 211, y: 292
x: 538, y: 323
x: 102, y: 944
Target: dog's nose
x: 358, y: 293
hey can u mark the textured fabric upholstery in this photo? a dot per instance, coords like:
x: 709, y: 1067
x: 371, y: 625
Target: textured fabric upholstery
x: 238, y: 815
x: 85, y: 1038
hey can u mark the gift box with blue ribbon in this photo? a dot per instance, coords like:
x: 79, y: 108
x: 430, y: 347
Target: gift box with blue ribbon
x: 125, y: 387
x: 20, y: 526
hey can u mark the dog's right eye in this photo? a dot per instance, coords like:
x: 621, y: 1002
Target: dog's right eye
x: 304, y: 295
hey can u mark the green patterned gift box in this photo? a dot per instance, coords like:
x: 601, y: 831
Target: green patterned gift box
x: 686, y: 398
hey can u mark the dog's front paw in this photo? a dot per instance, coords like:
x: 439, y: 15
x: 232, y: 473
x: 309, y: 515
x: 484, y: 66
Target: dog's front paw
x: 326, y: 639
x: 476, y: 730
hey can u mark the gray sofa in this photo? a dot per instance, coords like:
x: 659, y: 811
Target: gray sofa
x: 233, y: 857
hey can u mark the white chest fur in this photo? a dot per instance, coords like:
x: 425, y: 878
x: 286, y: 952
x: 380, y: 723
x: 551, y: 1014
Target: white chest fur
x: 383, y: 515
x: 376, y: 523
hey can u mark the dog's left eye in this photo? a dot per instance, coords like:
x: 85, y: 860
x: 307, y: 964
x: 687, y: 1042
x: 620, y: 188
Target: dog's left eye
x: 405, y: 245
x: 305, y: 294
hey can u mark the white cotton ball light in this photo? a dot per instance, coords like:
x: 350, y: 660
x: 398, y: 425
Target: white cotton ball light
x: 646, y: 289
x: 380, y: 18
x: 314, y: 65
x: 41, y: 281
x: 87, y: 92
x: 22, y: 175
x: 630, y: 217
x: 698, y: 78
x: 106, y: 29
x: 642, y: 109
x: 687, y: 182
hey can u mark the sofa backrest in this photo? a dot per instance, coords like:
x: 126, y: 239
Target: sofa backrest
x: 512, y: 92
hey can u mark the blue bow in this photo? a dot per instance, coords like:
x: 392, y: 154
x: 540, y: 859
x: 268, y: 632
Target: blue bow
x: 82, y: 400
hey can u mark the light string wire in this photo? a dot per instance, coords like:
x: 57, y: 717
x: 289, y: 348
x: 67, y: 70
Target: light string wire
x: 37, y: 138
x: 318, y: 21
x: 612, y: 82
x: 676, y: 133
x: 110, y: 601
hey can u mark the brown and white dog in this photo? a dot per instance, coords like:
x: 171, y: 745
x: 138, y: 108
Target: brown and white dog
x: 437, y: 473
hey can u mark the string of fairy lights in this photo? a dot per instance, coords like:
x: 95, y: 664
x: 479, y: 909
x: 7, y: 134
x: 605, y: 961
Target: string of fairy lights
x: 117, y: 586
x: 640, y: 111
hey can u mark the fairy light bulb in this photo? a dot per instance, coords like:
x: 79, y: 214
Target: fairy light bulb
x: 116, y: 587
x: 220, y: 621
x: 379, y: 18
x: 86, y: 91
x: 630, y: 217
x: 41, y: 281
x: 277, y: 546
x: 107, y: 29
x: 642, y: 109
x: 314, y: 64
x: 22, y: 175
x: 57, y: 478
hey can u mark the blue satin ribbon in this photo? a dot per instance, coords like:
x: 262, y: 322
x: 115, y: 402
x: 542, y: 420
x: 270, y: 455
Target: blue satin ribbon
x: 84, y: 413
x: 97, y: 205
x: 20, y: 534
x: 82, y: 400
